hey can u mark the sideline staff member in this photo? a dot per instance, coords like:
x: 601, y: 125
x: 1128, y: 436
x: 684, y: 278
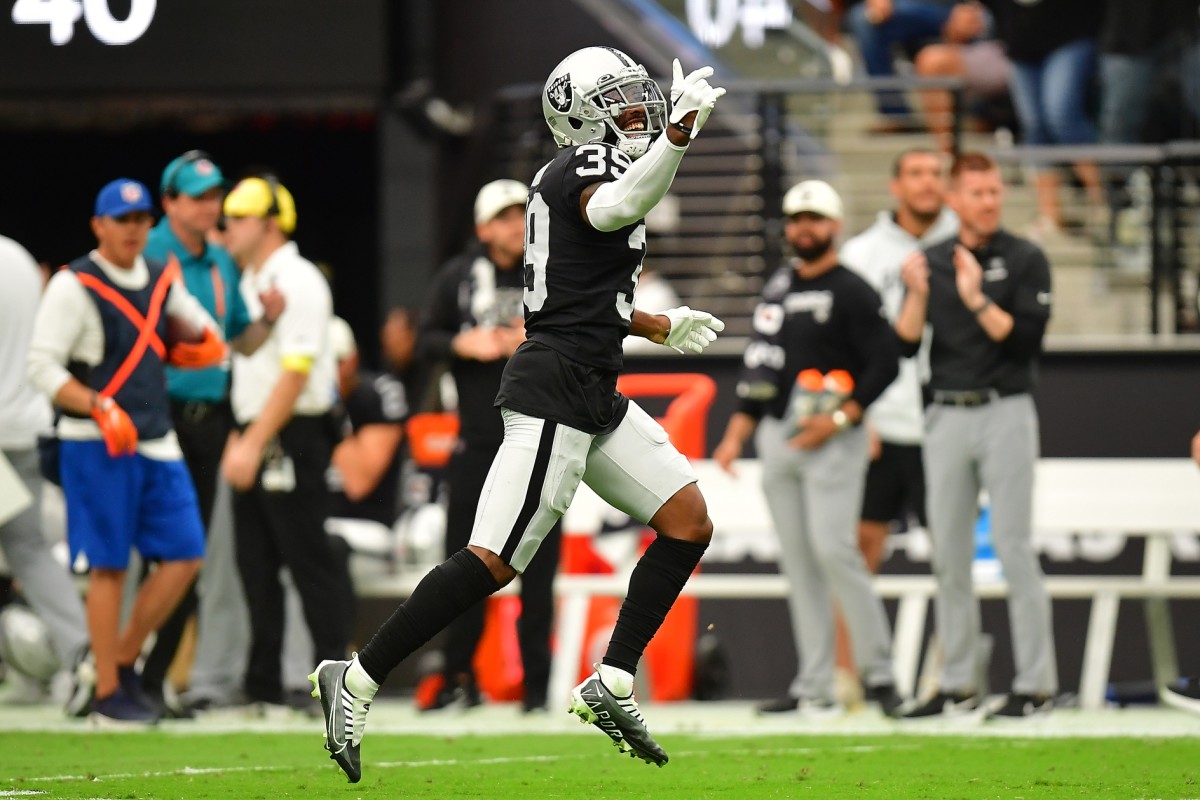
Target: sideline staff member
x: 192, y: 187
x: 815, y: 314
x: 282, y: 396
x: 986, y: 297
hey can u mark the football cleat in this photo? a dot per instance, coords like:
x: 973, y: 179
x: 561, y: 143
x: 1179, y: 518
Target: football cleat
x: 618, y: 717
x: 345, y: 716
x: 945, y: 705
x: 1019, y: 705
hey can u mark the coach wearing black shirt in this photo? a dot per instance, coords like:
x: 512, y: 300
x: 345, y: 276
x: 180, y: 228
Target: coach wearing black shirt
x: 476, y: 321
x: 817, y: 315
x: 986, y: 300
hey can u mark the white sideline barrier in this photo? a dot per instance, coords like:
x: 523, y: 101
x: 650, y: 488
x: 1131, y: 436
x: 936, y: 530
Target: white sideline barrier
x: 1151, y: 498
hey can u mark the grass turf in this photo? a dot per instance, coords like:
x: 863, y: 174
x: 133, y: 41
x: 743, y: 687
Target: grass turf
x: 248, y: 765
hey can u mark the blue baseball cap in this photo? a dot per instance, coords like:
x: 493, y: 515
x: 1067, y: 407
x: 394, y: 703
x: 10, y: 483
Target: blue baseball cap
x: 123, y: 196
x: 193, y: 174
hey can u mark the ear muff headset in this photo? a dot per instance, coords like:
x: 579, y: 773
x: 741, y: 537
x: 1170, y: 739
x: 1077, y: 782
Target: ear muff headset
x: 190, y: 157
x: 272, y: 185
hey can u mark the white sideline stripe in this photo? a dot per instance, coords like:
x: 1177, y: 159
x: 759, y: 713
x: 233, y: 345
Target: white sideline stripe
x: 20, y: 793
x: 436, y: 762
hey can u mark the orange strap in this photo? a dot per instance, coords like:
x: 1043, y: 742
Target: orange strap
x: 147, y: 337
x: 218, y: 295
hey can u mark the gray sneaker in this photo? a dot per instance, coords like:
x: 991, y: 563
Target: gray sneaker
x: 618, y: 717
x: 345, y: 716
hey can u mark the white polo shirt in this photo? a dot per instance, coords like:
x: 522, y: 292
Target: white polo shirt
x: 24, y: 411
x: 301, y: 330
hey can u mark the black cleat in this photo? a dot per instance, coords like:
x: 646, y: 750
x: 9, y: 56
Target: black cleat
x: 618, y: 717
x: 345, y: 716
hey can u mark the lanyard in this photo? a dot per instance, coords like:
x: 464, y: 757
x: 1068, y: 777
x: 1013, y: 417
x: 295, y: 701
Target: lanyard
x: 218, y: 295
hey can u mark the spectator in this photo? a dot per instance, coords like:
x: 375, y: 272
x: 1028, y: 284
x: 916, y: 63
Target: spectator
x: 276, y: 461
x: 106, y: 316
x: 816, y: 315
x: 475, y: 319
x: 895, y: 482
x: 1052, y: 47
x: 191, y: 188
x: 981, y: 431
x: 966, y: 51
x: 879, y: 26
x: 1140, y: 40
x: 24, y: 413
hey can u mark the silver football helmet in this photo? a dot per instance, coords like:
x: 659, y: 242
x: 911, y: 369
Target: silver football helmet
x: 588, y: 94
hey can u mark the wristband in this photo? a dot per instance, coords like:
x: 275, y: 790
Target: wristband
x: 684, y: 129
x: 987, y: 301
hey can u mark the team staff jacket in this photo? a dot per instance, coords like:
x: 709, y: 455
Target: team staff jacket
x: 213, y: 279
x: 71, y: 329
x: 469, y: 292
x: 962, y: 357
x: 579, y: 285
x: 833, y: 321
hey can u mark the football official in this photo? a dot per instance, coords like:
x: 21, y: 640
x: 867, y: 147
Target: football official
x: 100, y: 344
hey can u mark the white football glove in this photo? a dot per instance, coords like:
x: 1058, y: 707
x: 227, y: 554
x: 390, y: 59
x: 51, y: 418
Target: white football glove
x: 691, y: 330
x: 692, y: 94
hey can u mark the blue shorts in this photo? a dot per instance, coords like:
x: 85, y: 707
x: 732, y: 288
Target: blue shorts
x: 115, y: 504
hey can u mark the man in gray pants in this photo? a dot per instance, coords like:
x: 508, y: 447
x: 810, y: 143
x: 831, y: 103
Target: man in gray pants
x: 24, y: 413
x: 817, y: 318
x: 986, y: 299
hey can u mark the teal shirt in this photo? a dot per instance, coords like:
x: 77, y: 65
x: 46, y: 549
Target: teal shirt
x: 209, y: 385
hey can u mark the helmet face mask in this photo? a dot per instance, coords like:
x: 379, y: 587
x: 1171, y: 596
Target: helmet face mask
x: 599, y: 94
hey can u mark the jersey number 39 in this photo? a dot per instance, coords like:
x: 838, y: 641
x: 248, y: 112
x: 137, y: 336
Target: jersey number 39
x: 537, y: 241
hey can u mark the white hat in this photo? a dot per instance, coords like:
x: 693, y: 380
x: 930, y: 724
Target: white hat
x: 497, y: 196
x: 815, y: 196
x: 341, y: 339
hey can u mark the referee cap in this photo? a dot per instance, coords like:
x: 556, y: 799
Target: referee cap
x: 123, y: 196
x: 816, y: 197
x: 262, y: 197
x: 497, y: 196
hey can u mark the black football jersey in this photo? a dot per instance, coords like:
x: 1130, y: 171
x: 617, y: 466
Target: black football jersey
x: 579, y: 285
x: 579, y: 281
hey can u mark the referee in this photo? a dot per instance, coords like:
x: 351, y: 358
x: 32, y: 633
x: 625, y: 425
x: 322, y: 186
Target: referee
x: 276, y: 461
x: 986, y: 298
x: 191, y: 188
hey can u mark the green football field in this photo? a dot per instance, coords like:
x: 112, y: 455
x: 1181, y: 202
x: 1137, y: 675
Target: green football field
x: 166, y: 764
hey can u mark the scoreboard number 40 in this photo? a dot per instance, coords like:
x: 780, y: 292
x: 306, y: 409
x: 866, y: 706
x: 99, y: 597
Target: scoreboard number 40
x: 61, y: 16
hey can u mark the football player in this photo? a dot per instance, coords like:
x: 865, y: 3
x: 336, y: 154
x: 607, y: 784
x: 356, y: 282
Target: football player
x: 564, y: 421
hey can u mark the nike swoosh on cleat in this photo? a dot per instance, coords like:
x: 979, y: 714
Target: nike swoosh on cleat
x: 330, y: 728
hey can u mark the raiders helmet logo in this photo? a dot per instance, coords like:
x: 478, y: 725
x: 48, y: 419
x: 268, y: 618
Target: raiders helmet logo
x: 559, y: 93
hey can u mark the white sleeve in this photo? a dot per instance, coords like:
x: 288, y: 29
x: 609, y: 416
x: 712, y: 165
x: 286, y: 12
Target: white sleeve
x: 627, y: 199
x: 56, y: 328
x: 184, y: 306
